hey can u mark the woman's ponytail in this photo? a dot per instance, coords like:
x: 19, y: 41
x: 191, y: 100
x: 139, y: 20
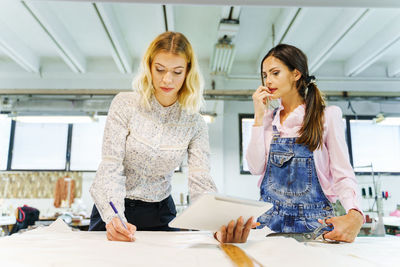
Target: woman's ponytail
x: 312, y: 130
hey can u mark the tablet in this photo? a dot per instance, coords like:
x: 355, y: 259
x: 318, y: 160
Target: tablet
x: 211, y: 211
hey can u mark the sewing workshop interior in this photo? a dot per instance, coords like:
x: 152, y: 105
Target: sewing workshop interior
x: 283, y: 113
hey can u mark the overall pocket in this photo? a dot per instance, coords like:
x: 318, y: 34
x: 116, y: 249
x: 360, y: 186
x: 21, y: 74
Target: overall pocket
x: 289, y: 175
x: 280, y: 158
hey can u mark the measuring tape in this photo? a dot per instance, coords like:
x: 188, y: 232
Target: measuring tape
x: 237, y: 255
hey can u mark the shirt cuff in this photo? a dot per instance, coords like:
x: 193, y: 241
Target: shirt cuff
x: 349, y: 204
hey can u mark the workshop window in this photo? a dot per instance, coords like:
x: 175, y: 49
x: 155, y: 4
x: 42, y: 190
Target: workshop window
x: 246, y: 122
x: 5, y: 128
x: 39, y: 146
x: 86, y: 145
x: 377, y: 143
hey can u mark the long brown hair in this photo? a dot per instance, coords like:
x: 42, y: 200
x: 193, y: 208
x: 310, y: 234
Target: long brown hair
x: 312, y: 131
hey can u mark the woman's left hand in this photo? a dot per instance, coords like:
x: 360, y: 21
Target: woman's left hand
x: 346, y: 227
x: 235, y: 233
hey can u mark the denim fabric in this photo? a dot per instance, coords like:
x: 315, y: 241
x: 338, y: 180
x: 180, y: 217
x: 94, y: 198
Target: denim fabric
x: 291, y: 184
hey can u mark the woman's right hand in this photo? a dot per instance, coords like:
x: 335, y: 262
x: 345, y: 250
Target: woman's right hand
x: 117, y: 232
x: 235, y: 233
x: 260, y: 98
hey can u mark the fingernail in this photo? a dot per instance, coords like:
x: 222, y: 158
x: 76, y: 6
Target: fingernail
x: 218, y: 235
x: 258, y: 224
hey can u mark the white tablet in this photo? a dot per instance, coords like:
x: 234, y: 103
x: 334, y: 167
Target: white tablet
x: 211, y: 211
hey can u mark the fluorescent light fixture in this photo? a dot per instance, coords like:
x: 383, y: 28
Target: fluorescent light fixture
x: 379, y: 118
x: 55, y: 119
x: 222, y: 59
x: 209, y: 118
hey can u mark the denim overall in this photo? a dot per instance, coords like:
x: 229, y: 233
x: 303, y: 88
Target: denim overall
x: 291, y: 184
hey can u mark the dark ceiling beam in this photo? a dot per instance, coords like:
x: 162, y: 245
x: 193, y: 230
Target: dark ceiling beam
x: 247, y: 92
x: 276, y: 3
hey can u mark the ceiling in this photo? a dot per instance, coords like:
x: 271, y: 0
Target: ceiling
x: 73, y: 47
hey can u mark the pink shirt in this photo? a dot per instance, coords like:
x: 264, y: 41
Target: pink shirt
x: 332, y: 163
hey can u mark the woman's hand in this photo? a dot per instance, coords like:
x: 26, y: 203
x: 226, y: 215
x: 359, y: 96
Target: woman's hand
x: 260, y: 97
x: 346, y: 227
x: 235, y: 233
x: 117, y: 232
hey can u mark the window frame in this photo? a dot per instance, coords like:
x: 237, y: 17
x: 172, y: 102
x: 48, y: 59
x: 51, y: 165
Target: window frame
x: 242, y: 116
x: 10, y: 141
x: 349, y: 145
x: 11, y: 147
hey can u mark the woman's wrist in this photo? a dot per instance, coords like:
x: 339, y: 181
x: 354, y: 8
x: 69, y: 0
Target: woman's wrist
x: 356, y: 214
x: 258, y: 121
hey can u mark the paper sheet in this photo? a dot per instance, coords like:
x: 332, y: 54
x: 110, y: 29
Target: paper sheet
x: 212, y: 210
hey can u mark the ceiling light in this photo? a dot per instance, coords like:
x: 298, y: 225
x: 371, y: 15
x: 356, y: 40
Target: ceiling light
x: 209, y: 118
x: 222, y: 59
x: 55, y: 119
x: 379, y: 118
x: 224, y: 50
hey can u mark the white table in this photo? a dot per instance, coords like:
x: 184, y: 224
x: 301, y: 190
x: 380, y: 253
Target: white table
x: 7, y: 220
x: 391, y: 221
x: 5, y: 224
x: 57, y: 245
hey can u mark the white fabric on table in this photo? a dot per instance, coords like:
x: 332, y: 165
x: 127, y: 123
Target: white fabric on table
x: 57, y: 245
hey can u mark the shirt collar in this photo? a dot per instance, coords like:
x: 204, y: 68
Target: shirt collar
x: 157, y: 105
x: 294, y: 119
x: 164, y: 112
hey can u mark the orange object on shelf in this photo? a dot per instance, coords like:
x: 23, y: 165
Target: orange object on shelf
x: 64, y: 191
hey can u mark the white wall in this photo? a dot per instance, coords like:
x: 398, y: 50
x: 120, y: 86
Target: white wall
x: 235, y: 183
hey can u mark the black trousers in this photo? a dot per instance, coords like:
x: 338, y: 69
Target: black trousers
x: 146, y: 216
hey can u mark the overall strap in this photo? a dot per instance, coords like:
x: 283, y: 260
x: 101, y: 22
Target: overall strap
x: 275, y: 132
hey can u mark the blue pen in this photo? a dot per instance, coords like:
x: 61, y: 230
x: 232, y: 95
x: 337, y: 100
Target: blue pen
x: 116, y: 212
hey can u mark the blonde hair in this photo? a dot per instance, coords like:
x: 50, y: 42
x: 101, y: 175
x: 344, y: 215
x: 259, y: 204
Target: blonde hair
x: 190, y: 96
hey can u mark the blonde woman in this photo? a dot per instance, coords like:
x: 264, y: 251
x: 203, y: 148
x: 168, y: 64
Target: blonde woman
x: 147, y: 133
